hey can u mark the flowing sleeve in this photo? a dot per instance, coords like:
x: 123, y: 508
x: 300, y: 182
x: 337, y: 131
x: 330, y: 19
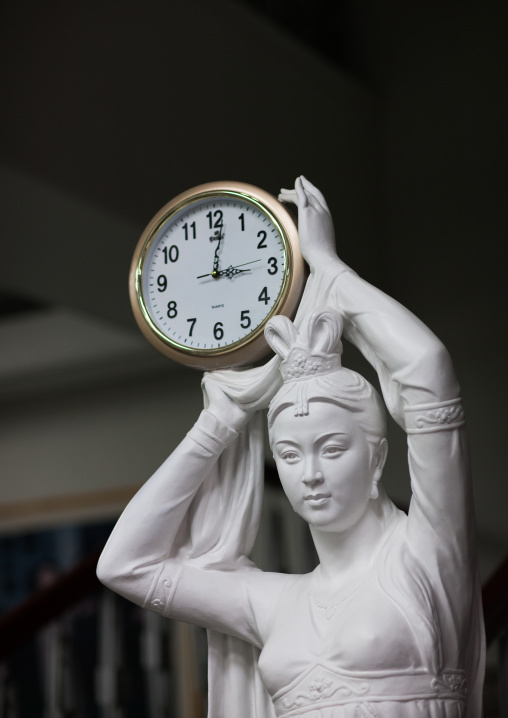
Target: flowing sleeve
x: 423, y: 396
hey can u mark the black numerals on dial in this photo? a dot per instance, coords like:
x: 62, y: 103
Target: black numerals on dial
x: 172, y: 312
x: 192, y: 322
x: 245, y: 321
x: 162, y: 283
x: 273, y: 266
x: 170, y: 254
x: 262, y: 239
x: 217, y: 215
x: 185, y: 228
x: 263, y: 297
x: 218, y: 331
x: 242, y: 221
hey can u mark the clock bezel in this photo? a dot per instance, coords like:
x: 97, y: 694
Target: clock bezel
x: 253, y: 346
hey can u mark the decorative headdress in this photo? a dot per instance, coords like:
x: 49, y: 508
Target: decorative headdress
x: 314, y: 350
x: 308, y: 356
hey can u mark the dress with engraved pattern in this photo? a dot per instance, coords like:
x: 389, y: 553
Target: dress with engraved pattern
x: 406, y: 641
x: 380, y: 650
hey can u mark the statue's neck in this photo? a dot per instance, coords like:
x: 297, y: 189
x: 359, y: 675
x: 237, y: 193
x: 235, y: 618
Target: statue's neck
x: 346, y: 555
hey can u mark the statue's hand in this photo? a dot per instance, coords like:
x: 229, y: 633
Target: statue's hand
x: 221, y: 406
x: 315, y: 225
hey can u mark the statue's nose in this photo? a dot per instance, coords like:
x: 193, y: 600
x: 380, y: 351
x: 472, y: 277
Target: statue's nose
x: 313, y: 478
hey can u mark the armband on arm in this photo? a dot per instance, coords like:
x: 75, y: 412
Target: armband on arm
x: 427, y: 418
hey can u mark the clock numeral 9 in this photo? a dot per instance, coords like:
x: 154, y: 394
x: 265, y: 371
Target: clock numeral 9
x: 172, y: 312
x: 162, y: 283
x: 218, y: 331
x: 263, y: 297
x: 192, y: 322
x: 245, y: 319
x: 171, y: 253
x: 261, y: 243
x: 273, y: 266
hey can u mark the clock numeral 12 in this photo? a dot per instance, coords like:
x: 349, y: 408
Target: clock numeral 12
x: 218, y: 222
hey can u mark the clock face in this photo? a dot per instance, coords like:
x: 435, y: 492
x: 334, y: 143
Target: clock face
x: 210, y: 272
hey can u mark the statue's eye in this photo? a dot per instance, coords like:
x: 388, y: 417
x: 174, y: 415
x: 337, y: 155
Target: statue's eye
x: 332, y: 451
x: 290, y: 456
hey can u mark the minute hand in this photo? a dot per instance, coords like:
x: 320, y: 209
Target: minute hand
x: 221, y: 272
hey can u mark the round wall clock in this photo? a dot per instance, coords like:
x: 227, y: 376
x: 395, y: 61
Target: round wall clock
x: 210, y: 269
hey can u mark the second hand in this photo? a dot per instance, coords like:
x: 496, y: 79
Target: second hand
x: 218, y: 273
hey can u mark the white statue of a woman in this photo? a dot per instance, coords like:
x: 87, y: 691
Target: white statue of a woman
x: 389, y: 623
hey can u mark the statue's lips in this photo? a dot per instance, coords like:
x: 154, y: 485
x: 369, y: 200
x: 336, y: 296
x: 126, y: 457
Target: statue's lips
x: 317, y: 499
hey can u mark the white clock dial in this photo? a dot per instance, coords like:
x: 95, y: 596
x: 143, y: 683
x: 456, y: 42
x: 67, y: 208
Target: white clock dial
x: 209, y: 271
x: 213, y: 273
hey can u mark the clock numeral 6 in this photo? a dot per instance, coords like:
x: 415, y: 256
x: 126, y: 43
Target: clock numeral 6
x: 218, y: 331
x: 162, y: 283
x: 273, y: 266
x: 263, y: 297
x: 245, y: 319
x: 171, y: 253
x: 172, y: 312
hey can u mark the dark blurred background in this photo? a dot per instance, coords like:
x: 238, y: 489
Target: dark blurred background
x: 397, y: 111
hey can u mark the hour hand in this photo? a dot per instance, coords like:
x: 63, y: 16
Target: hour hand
x: 229, y: 272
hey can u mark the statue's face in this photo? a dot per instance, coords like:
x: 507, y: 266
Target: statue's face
x: 325, y: 463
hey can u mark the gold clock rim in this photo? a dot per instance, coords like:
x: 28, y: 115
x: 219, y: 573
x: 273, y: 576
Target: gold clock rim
x: 253, y: 346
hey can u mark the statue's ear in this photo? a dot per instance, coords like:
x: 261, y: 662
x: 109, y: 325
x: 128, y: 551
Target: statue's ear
x: 280, y: 334
x: 322, y: 330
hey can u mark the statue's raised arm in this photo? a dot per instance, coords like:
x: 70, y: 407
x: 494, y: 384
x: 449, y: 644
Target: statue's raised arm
x: 388, y: 625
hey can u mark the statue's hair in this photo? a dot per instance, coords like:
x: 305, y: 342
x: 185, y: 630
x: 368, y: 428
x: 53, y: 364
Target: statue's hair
x: 312, y: 371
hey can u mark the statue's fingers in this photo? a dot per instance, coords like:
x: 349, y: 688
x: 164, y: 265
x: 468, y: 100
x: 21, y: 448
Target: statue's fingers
x: 303, y: 196
x: 314, y: 192
x: 288, y: 195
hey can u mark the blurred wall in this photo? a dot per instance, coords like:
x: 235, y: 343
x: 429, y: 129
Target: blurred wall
x: 110, y: 112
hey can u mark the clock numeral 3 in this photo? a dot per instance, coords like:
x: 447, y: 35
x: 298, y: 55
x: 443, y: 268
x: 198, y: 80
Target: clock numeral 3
x: 263, y: 297
x: 244, y: 317
x: 162, y: 283
x: 172, y: 312
x: 218, y: 331
x: 273, y: 266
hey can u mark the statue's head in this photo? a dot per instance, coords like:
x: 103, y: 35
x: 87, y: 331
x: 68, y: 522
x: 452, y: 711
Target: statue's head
x: 326, y: 424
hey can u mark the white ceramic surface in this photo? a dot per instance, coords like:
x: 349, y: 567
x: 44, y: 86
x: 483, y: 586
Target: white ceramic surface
x: 389, y: 623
